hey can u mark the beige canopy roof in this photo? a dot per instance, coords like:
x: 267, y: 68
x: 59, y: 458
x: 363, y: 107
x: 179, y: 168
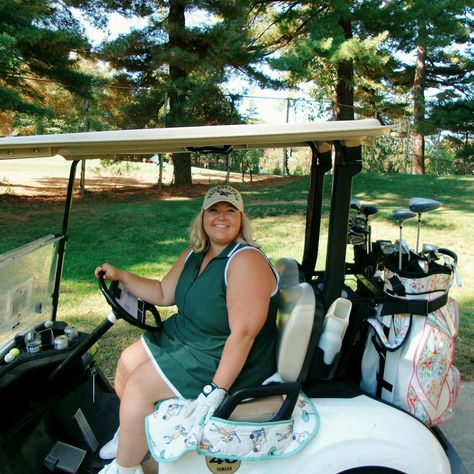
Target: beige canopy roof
x: 180, y: 139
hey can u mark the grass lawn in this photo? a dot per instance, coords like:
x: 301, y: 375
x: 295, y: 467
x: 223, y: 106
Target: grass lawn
x: 144, y: 231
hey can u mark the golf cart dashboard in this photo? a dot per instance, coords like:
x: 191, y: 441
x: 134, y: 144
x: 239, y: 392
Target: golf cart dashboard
x: 29, y: 334
x: 53, y: 343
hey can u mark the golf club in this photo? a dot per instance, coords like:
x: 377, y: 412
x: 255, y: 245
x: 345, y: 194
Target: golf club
x: 359, y: 220
x: 424, y: 265
x: 427, y: 248
x: 369, y: 211
x: 359, y: 229
x: 401, y: 215
x: 433, y: 252
x: 355, y: 204
x: 404, y: 246
x: 389, y: 249
x: 420, y: 205
x: 429, y: 252
x: 355, y: 239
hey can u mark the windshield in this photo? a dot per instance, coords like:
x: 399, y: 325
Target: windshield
x: 27, y: 276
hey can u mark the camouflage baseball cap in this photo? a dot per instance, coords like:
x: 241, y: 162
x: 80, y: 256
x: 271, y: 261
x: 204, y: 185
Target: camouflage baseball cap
x: 223, y: 193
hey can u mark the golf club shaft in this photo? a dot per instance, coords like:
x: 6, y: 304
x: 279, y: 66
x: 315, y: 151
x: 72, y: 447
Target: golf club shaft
x: 400, y: 248
x: 418, y: 233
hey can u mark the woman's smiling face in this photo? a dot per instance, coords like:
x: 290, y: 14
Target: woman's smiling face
x: 222, y: 222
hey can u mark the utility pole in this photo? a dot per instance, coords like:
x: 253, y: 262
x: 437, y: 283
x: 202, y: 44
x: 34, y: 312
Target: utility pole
x: 284, y: 168
x: 231, y: 120
x: 160, y: 155
x: 438, y: 141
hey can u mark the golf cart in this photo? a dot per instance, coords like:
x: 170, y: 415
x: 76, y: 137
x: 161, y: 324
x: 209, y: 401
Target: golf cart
x: 59, y: 408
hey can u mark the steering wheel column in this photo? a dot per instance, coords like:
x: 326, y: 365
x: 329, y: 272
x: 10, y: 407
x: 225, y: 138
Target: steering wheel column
x: 116, y: 296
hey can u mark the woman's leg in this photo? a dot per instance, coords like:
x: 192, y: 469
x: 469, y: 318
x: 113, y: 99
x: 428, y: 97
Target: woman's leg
x: 143, y: 388
x: 131, y: 358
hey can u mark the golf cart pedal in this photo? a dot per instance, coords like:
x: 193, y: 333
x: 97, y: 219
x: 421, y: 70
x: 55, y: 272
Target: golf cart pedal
x: 64, y: 457
x: 86, y: 431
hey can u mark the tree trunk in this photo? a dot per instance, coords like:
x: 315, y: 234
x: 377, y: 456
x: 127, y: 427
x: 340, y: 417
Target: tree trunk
x: 466, y: 159
x: 344, y: 98
x: 182, y: 168
x: 177, y: 95
x: 418, y: 160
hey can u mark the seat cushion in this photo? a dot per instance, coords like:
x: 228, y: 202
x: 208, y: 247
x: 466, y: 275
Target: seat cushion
x: 295, y: 325
x: 257, y: 409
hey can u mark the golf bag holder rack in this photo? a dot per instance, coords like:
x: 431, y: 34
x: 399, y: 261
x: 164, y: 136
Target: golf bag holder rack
x: 319, y: 369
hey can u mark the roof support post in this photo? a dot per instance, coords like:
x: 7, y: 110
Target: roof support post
x: 62, y: 242
x: 348, y: 162
x: 321, y: 162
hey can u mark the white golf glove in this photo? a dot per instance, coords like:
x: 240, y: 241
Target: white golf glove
x: 206, y: 404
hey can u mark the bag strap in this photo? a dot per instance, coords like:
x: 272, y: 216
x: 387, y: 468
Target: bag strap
x: 394, y: 305
x: 382, y: 353
x: 382, y: 346
x: 397, y: 286
x: 382, y: 339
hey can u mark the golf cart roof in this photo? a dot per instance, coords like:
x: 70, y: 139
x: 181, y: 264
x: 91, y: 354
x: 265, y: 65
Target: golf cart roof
x: 181, y: 139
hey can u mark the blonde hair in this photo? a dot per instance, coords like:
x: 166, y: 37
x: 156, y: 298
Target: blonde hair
x: 200, y: 241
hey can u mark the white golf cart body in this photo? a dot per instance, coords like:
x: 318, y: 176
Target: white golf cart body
x: 357, y: 433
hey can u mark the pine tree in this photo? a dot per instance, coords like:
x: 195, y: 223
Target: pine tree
x: 456, y: 115
x: 39, y: 40
x: 328, y: 43
x: 351, y: 50
x: 180, y: 66
x: 434, y: 33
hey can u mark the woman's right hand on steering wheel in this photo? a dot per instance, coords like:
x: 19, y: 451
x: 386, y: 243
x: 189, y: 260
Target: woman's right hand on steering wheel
x: 111, y: 272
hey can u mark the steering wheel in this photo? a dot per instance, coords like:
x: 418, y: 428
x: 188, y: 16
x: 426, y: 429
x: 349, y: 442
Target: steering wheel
x: 115, y: 293
x: 112, y: 294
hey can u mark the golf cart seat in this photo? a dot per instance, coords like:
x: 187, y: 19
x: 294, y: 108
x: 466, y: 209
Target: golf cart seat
x: 295, y: 327
x: 289, y: 272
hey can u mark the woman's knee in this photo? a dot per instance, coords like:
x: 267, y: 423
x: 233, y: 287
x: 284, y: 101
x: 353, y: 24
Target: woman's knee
x: 130, y: 359
x: 145, y: 383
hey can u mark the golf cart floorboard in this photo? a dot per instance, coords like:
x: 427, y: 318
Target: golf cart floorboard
x: 53, y: 417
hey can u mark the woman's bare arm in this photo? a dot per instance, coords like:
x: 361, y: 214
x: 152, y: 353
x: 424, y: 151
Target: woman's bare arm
x: 250, y: 285
x: 153, y: 291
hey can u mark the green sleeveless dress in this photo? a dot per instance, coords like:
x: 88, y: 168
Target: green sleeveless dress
x: 187, y: 349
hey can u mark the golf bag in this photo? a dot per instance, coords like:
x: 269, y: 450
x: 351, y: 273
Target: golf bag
x: 409, y: 353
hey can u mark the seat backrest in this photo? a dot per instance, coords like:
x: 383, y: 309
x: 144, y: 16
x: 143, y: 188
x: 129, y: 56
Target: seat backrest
x: 295, y: 325
x: 289, y: 272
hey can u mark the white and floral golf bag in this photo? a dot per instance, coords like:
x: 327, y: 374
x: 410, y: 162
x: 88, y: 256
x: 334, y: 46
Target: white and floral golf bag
x: 409, y: 353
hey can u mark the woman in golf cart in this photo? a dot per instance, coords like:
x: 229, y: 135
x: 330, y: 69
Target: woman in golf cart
x: 221, y: 339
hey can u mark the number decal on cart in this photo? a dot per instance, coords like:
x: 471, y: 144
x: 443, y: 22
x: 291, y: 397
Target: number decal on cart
x: 220, y: 466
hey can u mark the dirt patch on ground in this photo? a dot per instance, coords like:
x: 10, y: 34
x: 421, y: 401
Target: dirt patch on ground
x: 31, y: 182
